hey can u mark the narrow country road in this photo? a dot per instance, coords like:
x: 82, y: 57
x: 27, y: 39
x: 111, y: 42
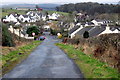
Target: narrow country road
x: 46, y: 61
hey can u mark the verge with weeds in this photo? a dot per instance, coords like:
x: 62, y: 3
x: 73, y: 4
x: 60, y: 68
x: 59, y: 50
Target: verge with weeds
x: 10, y: 60
x: 91, y: 67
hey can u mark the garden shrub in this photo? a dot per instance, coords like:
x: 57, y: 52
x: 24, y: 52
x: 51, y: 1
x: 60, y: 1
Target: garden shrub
x: 32, y: 29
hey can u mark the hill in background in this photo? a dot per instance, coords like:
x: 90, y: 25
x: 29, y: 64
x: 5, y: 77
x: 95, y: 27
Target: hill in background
x: 48, y: 6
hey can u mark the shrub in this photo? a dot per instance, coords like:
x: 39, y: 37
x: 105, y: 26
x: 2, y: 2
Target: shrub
x: 53, y: 32
x: 6, y: 37
x: 33, y: 29
x: 86, y: 34
x: 60, y: 36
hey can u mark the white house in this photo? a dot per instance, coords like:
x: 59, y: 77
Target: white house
x: 71, y: 26
x: 18, y: 23
x: 43, y: 17
x: 89, y: 24
x: 11, y: 18
x: 98, y: 22
x: 108, y: 30
x: 54, y: 16
x: 24, y: 18
x: 46, y: 27
x: 16, y: 31
x: 73, y: 31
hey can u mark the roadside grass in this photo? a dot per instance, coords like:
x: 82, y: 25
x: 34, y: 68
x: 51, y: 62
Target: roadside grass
x: 91, y: 67
x: 10, y: 60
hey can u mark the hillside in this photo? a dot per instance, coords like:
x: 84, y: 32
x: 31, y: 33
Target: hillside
x: 90, y: 8
x: 32, y: 6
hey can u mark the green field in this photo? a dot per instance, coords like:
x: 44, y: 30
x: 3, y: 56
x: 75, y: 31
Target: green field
x: 63, y: 13
x: 91, y: 67
x: 5, y: 12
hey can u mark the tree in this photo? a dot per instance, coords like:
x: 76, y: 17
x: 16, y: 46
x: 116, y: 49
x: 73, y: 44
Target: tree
x: 90, y: 8
x: 32, y: 29
x: 86, y: 34
x: 37, y: 6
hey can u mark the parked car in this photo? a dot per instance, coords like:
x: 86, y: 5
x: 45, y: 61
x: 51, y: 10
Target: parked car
x: 42, y: 37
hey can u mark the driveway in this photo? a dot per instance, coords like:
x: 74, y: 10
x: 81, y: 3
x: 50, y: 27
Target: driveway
x: 46, y: 61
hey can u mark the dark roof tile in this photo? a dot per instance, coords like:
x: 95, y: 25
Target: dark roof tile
x: 74, y: 29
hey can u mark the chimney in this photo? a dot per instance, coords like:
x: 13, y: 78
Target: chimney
x: 107, y: 27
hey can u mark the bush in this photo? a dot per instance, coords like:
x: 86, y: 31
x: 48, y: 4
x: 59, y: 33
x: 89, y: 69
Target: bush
x: 6, y: 37
x: 60, y: 36
x: 53, y: 32
x: 86, y: 34
x: 33, y: 29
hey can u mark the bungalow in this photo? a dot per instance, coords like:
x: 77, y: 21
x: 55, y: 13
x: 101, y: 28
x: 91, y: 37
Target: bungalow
x: 74, y: 30
x: 110, y: 29
x: 82, y: 31
x: 99, y: 22
x: 89, y: 24
x: 95, y: 31
x: 98, y: 30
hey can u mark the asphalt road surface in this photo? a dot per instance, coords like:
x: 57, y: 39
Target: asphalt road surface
x: 46, y: 61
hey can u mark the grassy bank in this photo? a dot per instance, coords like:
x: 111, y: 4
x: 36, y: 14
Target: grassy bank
x: 15, y: 57
x: 91, y: 67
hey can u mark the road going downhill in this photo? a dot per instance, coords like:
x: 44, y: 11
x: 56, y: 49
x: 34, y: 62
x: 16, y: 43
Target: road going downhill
x: 46, y: 61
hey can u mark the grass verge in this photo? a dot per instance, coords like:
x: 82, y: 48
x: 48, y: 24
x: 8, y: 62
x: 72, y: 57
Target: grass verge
x: 91, y: 67
x: 10, y: 60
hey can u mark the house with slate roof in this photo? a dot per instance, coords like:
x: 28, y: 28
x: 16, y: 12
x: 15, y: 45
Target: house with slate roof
x: 93, y: 30
x: 74, y: 30
x: 24, y: 18
x: 98, y: 22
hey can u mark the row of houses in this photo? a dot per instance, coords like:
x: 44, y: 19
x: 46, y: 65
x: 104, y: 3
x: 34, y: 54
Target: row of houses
x: 30, y: 16
x: 93, y: 30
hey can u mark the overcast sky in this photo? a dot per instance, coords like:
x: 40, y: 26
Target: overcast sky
x: 56, y: 1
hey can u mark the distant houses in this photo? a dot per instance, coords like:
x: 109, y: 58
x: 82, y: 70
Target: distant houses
x: 53, y: 16
x: 30, y: 16
x: 26, y: 20
x: 98, y: 22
